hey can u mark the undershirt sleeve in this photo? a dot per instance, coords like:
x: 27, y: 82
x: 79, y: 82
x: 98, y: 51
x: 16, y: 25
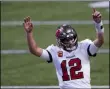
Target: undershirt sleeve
x: 92, y: 50
x: 90, y: 47
x: 46, y: 55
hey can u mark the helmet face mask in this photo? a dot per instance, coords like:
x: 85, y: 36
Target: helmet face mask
x: 66, y: 37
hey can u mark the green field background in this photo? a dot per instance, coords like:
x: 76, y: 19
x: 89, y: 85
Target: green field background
x: 26, y: 69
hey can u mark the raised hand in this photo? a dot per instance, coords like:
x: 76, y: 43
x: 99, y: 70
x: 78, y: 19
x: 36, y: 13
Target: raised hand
x: 96, y: 16
x: 28, y: 26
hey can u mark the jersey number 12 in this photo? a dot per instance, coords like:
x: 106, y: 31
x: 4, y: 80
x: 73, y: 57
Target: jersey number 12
x: 73, y: 69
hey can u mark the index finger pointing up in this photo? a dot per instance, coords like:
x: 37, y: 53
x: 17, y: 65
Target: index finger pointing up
x: 94, y: 10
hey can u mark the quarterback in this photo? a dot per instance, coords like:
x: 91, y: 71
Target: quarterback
x: 70, y: 57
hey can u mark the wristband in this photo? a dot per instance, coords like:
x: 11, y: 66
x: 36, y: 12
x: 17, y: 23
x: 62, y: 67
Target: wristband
x: 99, y: 27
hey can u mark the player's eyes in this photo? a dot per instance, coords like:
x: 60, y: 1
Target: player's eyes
x: 65, y: 40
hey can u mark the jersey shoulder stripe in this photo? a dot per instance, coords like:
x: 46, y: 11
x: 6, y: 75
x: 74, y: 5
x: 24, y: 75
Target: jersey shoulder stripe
x: 88, y: 51
x: 50, y: 57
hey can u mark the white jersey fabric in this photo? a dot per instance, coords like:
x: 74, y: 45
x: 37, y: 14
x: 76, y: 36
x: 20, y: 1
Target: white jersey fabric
x: 72, y: 68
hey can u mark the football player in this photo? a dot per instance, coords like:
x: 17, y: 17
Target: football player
x: 71, y: 58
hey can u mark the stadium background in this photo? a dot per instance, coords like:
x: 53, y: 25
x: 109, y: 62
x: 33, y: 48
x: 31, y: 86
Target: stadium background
x: 26, y: 69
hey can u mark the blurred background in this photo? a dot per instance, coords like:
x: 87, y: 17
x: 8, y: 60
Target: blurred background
x: 19, y: 67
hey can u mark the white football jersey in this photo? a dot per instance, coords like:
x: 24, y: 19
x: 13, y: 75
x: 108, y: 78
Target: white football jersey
x: 72, y: 68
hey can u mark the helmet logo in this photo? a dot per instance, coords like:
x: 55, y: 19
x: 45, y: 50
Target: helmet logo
x: 58, y: 33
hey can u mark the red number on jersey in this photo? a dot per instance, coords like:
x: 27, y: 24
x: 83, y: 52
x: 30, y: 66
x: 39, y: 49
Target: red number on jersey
x: 64, y: 70
x: 73, y: 69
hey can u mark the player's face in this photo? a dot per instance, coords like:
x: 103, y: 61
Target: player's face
x: 68, y: 43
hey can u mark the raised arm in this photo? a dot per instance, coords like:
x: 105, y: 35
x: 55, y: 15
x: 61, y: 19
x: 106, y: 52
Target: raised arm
x: 97, y: 43
x: 99, y: 29
x: 33, y: 47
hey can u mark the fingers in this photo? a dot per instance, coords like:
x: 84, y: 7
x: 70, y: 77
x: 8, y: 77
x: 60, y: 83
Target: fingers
x: 96, y: 16
x: 96, y: 13
x: 94, y: 10
x: 99, y: 15
x: 27, y: 19
x: 28, y: 26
